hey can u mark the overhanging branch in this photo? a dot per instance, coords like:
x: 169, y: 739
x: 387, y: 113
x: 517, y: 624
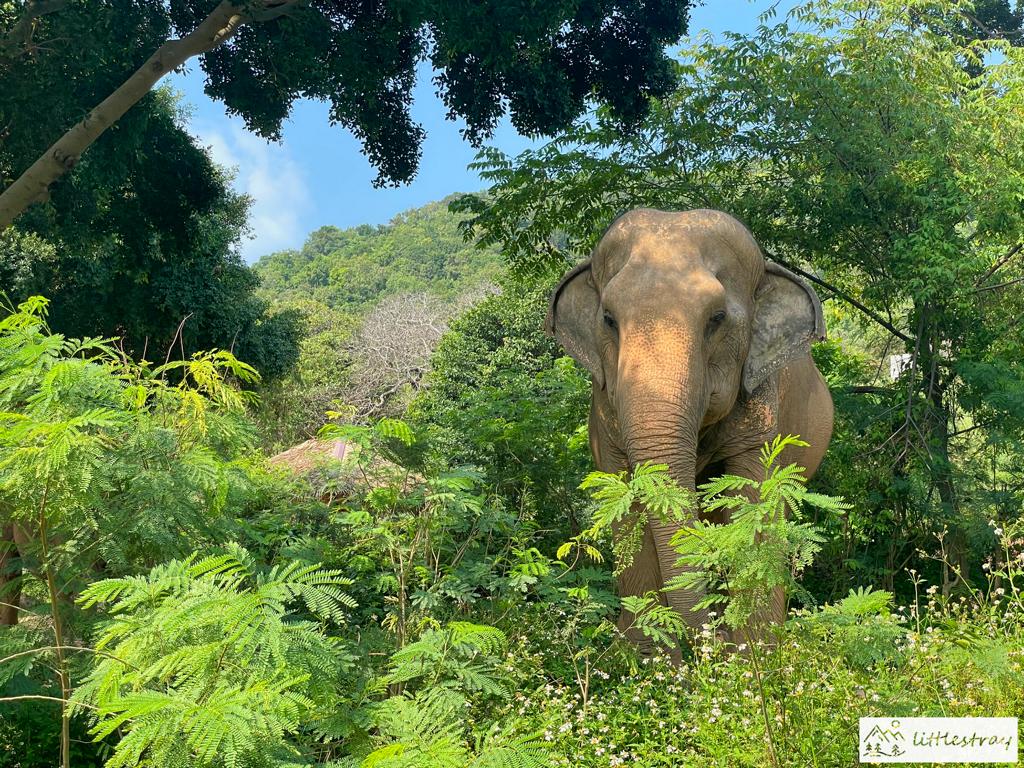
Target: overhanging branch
x: 33, y: 185
x: 1013, y: 251
x: 19, y: 35
x: 840, y: 294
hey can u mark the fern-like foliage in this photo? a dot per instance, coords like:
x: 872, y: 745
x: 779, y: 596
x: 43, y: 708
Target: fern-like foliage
x: 623, y: 506
x: 207, y: 662
x: 461, y: 658
x: 428, y: 731
x: 861, y: 625
x: 655, y: 621
x: 443, y: 673
x: 127, y: 464
x: 369, y: 439
x: 738, y: 565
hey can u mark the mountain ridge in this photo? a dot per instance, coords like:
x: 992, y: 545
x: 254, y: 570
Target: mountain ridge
x: 351, y: 270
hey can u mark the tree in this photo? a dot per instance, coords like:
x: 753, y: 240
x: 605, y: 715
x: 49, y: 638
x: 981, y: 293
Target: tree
x: 543, y: 65
x: 500, y: 396
x: 391, y: 351
x: 242, y: 672
x: 419, y: 251
x: 143, y: 237
x: 877, y: 157
x: 292, y: 408
x: 365, y: 368
x: 104, y: 464
x: 996, y: 19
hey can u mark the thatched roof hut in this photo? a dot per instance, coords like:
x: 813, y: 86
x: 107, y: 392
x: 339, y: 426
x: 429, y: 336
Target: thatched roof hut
x: 331, y: 469
x: 311, y: 455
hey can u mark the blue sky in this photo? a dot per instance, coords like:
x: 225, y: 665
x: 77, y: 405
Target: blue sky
x: 317, y: 175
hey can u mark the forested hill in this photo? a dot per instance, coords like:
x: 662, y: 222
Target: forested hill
x: 352, y: 269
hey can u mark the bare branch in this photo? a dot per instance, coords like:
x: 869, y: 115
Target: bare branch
x: 840, y: 294
x: 391, y: 351
x: 1005, y: 258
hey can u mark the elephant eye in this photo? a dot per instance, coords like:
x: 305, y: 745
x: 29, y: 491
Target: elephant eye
x: 610, y: 321
x: 716, y: 320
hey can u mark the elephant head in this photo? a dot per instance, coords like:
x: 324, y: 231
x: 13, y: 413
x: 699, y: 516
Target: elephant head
x: 679, y: 321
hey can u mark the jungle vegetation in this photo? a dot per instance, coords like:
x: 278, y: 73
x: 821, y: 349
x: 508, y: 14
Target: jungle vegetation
x: 541, y: 68
x: 444, y: 596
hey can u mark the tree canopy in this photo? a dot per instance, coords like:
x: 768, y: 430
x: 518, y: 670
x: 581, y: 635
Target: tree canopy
x: 430, y: 583
x: 543, y: 67
x: 872, y: 146
x: 352, y: 269
x: 143, y: 239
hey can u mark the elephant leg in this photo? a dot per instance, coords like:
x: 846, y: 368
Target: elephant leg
x: 641, y: 577
x: 773, y: 613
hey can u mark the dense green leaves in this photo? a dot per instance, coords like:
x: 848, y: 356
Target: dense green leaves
x: 409, y: 606
x: 875, y: 147
x: 542, y: 68
x: 142, y: 243
x: 205, y: 661
x: 351, y: 270
x: 501, y: 397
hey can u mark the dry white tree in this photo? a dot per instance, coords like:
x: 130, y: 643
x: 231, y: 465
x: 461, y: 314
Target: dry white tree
x: 391, y: 351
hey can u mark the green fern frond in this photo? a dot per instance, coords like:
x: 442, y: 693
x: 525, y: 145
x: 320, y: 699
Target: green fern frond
x: 395, y: 429
x: 205, y: 659
x: 501, y: 750
x: 863, y: 601
x: 770, y: 452
x: 478, y: 637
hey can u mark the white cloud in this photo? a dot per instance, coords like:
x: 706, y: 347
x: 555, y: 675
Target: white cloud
x: 267, y: 173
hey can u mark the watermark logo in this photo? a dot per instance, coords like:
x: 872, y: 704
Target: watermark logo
x: 938, y: 739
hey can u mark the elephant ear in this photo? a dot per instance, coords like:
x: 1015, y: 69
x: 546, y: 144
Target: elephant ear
x: 787, y: 319
x: 572, y: 319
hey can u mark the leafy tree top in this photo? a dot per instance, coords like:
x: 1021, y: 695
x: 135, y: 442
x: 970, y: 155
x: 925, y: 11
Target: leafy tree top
x: 874, y: 143
x: 542, y: 63
x: 352, y: 269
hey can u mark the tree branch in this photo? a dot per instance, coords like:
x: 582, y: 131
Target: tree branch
x: 45, y: 698
x: 1005, y: 258
x: 845, y: 297
x: 77, y: 648
x: 34, y: 184
x: 18, y: 36
x: 999, y: 285
x: 867, y: 389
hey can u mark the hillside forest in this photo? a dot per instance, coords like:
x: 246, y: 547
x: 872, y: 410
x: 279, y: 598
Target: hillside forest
x: 339, y: 507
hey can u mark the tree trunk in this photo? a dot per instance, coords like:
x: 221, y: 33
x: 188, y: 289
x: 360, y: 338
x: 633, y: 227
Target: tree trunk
x: 34, y: 184
x: 10, y: 577
x: 940, y: 467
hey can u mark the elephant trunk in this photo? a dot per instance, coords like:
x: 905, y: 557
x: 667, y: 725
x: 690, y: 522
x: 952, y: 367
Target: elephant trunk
x: 662, y: 428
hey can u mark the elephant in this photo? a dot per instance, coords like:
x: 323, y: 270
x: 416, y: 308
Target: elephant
x: 699, y: 352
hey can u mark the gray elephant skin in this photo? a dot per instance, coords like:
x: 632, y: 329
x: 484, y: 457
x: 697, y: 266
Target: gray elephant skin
x: 699, y: 353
